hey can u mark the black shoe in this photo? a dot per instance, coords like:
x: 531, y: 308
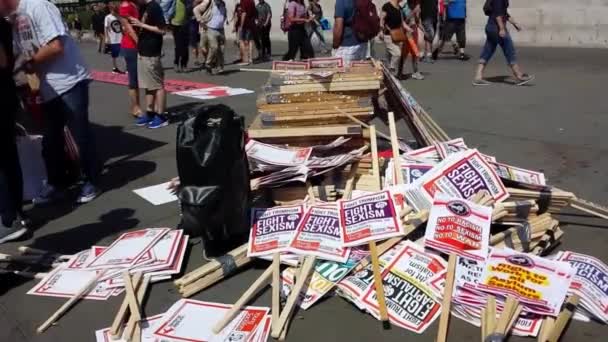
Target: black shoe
x: 177, y: 69
x: 435, y: 54
x: 117, y: 71
x: 464, y: 57
x: 14, y: 232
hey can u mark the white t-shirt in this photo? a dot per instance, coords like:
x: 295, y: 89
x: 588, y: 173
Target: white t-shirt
x: 113, y: 29
x: 35, y: 24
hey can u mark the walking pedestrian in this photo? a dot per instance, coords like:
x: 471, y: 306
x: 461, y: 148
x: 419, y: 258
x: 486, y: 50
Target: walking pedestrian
x: 195, y: 40
x: 202, y: 13
x: 78, y: 28
x: 456, y: 14
x: 181, y: 29
x: 52, y: 55
x: 97, y: 24
x: 236, y: 29
x: 429, y: 12
x: 264, y: 23
x: 391, y: 21
x: 216, y: 37
x: 411, y: 15
x: 315, y: 11
x: 497, y: 33
x: 150, y: 72
x: 297, y: 38
x: 113, y: 35
x: 128, y: 48
x: 247, y: 31
x: 11, y: 179
x: 346, y: 44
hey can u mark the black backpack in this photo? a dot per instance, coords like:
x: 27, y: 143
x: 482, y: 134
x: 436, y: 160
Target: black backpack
x: 214, y: 176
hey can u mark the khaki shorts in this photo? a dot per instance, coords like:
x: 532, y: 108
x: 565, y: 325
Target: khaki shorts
x: 150, y: 72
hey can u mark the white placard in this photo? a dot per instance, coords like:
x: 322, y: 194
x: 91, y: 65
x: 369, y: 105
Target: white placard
x: 157, y: 194
x: 65, y: 283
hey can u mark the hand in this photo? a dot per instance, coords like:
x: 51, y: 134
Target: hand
x: 517, y: 27
x: 135, y: 22
x: 173, y: 185
x: 502, y: 33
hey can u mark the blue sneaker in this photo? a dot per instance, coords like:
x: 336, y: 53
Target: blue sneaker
x: 158, y: 122
x: 48, y: 194
x: 88, y: 192
x: 143, y: 120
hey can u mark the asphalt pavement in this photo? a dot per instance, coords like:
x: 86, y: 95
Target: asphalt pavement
x: 557, y: 125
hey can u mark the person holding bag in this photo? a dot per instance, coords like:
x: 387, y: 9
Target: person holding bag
x: 296, y: 35
x: 398, y: 44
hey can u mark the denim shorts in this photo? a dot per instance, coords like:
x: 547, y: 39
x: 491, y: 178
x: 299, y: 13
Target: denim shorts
x: 130, y: 56
x: 114, y: 50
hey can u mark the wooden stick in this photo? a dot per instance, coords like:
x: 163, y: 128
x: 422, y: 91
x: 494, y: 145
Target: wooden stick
x: 545, y: 330
x: 354, y: 119
x: 210, y: 279
x: 563, y: 318
x: 395, y: 147
x: 307, y: 269
x: 67, y: 305
x: 297, y: 275
x: 130, y: 296
x: 513, y: 320
x: 444, y: 319
x: 133, y: 322
x: 509, y: 309
x: 123, y: 311
x: 484, y: 324
x: 491, y: 315
x: 276, y: 288
x: 245, y: 298
x: 209, y: 267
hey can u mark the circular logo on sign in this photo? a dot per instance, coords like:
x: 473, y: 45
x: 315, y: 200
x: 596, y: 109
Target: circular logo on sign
x: 521, y: 260
x: 459, y: 208
x: 361, y: 274
x: 388, y: 290
x: 380, y: 205
x: 292, y: 217
x: 236, y: 337
x: 417, y: 173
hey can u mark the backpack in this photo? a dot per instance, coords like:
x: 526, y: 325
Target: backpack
x: 285, y: 22
x: 487, y: 8
x: 365, y: 23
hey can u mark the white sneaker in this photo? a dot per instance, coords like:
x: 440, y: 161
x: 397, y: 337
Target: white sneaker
x: 417, y: 76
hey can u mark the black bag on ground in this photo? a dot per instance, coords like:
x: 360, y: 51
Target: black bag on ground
x: 214, y: 175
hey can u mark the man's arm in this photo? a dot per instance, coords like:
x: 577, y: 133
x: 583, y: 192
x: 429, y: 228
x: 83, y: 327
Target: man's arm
x: 46, y: 53
x: 243, y: 17
x: 269, y: 17
x: 128, y: 28
x: 338, y: 31
x: 156, y: 29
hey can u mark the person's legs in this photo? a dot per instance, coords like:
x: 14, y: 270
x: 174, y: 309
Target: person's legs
x: 292, y: 44
x: 185, y: 38
x: 220, y: 51
x: 11, y: 179
x: 204, y: 46
x: 306, y: 50
x: 176, y: 48
x: 448, y: 31
x: 130, y: 56
x: 428, y: 25
x: 53, y: 142
x: 487, y: 52
x: 393, y: 53
x: 213, y: 49
x: 461, y: 38
x: 266, y: 42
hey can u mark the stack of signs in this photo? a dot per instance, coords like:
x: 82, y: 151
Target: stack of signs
x: 264, y: 157
x: 590, y: 283
x: 467, y: 300
x: 326, y: 275
x: 148, y: 326
x: 273, y: 229
x: 412, y: 280
x: 539, y: 284
x: 519, y: 177
x: 192, y: 320
x: 318, y: 234
x: 459, y: 227
x: 157, y: 253
x: 437, y: 152
x: 321, y: 165
x: 369, y: 218
x: 460, y: 175
x: 411, y: 170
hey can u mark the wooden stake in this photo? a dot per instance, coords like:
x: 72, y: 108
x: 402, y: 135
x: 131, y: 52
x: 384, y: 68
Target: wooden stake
x: 130, y: 296
x: 307, y: 269
x: 563, y: 318
x: 545, y: 330
x: 123, y: 311
x: 297, y: 275
x: 209, y: 267
x: 490, y: 315
x: 444, y: 319
x: 245, y: 298
x: 395, y: 147
x: 276, y: 289
x: 67, y: 305
x: 133, y: 323
x: 484, y: 324
x: 510, y: 308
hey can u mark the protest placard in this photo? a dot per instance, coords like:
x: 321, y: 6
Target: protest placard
x: 191, y: 320
x: 327, y: 274
x: 65, y: 283
x: 460, y: 175
x: 519, y: 176
x: 411, y: 171
x: 128, y: 248
x: 269, y: 156
x: 412, y: 303
x: 148, y: 326
x: 590, y: 282
x: 369, y: 218
x: 432, y: 153
x: 319, y: 234
x: 540, y: 284
x: 272, y: 229
x: 459, y: 226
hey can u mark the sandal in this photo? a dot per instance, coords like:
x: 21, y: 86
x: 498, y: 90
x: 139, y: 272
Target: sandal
x: 524, y: 79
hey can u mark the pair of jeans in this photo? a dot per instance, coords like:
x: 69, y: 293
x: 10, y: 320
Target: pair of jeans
x: 217, y: 41
x: 298, y: 40
x: 262, y: 43
x: 492, y: 40
x: 69, y: 109
x: 316, y: 30
x: 181, y: 39
x: 130, y: 56
x: 11, y: 179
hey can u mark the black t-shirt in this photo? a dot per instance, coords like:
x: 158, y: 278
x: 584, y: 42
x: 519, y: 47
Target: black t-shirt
x: 499, y: 8
x: 429, y: 9
x: 150, y: 44
x: 8, y: 100
x: 97, y: 21
x: 393, y: 17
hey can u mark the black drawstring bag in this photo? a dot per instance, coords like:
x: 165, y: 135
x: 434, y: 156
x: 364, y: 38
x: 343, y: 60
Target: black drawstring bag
x: 214, y: 176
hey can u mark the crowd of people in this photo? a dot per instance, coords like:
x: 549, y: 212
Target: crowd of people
x: 38, y: 52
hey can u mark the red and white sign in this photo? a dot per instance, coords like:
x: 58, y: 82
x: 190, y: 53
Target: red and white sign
x: 213, y: 92
x: 128, y: 248
x: 319, y: 234
x: 460, y: 227
x: 369, y: 218
x: 192, y: 320
x: 148, y: 326
x: 65, y: 283
x: 275, y: 155
x: 272, y: 229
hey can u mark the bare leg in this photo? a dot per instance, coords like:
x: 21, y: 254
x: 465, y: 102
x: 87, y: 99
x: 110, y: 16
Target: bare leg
x: 244, y: 50
x: 479, y: 71
x: 114, y: 63
x: 135, y: 106
x: 161, y: 101
x: 517, y: 71
x: 150, y: 103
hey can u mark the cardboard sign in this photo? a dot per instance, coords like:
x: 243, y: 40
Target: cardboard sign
x: 461, y: 175
x: 286, y: 65
x: 147, y: 325
x: 274, y: 155
x: 518, y: 175
x: 438, y: 152
x: 411, y: 171
x: 81, y: 259
x: 273, y: 229
x: 319, y: 234
x: 539, y: 283
x: 65, y: 283
x: 590, y: 282
x: 157, y: 194
x: 192, y: 320
x: 369, y: 218
x: 411, y: 303
x: 327, y: 62
x: 327, y: 274
x: 526, y: 325
x: 460, y: 227
x: 213, y: 92
x: 128, y: 248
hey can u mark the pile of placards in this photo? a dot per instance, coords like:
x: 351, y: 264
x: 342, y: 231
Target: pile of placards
x: 191, y: 320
